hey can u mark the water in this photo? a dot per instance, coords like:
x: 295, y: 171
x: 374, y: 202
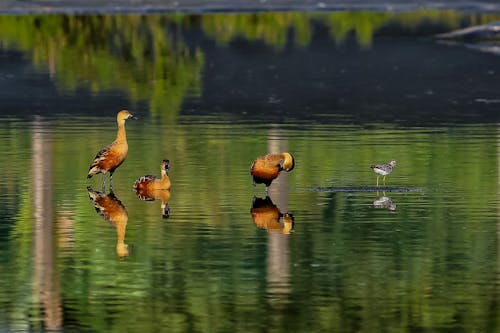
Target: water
x: 328, y: 251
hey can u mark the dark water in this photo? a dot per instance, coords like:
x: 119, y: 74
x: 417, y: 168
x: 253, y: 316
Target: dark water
x: 327, y: 251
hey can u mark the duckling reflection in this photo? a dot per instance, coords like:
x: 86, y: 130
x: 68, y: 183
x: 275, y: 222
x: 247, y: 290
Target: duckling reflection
x: 151, y: 195
x: 266, y: 215
x: 113, y: 211
x: 385, y: 203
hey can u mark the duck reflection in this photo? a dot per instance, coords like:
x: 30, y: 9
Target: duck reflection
x: 266, y: 215
x: 151, y: 195
x: 113, y: 211
x: 384, y: 202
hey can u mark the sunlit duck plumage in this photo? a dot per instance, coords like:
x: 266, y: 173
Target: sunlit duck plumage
x: 267, y: 168
x: 383, y: 169
x: 150, y: 188
x: 113, y: 211
x: 150, y: 182
x: 112, y: 156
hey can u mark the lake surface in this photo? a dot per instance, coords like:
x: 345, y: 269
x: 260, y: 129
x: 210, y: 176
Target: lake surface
x: 327, y: 251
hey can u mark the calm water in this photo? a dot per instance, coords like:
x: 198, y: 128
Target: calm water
x: 327, y: 251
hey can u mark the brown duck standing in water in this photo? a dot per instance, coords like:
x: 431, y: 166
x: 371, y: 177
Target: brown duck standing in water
x: 112, y: 156
x: 268, y: 167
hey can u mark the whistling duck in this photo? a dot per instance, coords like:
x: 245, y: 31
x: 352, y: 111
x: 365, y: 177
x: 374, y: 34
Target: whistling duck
x: 113, y: 211
x: 383, y: 169
x: 112, y: 156
x: 150, y: 182
x: 266, y: 215
x: 266, y: 168
x: 150, y: 188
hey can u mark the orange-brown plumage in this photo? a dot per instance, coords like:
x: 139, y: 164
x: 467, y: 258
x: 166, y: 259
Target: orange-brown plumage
x: 152, y: 194
x: 152, y: 188
x: 266, y: 215
x: 112, y: 156
x: 150, y: 182
x: 268, y: 167
x: 113, y: 211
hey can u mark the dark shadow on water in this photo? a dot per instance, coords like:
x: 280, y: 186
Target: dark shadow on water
x: 348, y: 189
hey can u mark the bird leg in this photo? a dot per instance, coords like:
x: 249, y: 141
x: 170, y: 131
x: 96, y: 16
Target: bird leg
x: 165, y: 210
x: 111, y: 181
x: 103, y: 183
x: 384, y: 180
x: 377, y: 180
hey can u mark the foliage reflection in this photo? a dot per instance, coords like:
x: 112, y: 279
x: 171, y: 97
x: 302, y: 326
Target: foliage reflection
x: 148, y: 56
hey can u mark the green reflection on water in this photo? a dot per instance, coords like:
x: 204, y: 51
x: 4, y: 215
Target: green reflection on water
x: 148, y: 57
x: 430, y: 265
x: 132, y: 53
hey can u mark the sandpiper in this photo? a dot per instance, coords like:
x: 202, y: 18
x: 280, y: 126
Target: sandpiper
x: 383, y: 169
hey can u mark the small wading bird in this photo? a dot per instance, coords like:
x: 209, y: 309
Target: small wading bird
x: 383, y: 169
x: 266, y: 168
x: 111, y: 157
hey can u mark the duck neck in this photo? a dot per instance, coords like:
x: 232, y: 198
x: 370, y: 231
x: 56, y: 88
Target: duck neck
x: 121, y: 135
x: 163, y: 174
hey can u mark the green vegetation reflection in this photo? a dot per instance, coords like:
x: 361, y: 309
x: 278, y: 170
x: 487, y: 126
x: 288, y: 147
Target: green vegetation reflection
x: 432, y: 264
x: 148, y: 56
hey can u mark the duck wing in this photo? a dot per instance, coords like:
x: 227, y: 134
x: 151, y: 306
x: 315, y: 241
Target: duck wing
x: 100, y: 157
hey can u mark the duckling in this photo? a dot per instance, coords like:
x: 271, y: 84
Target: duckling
x: 113, y: 211
x: 150, y: 182
x: 383, y: 169
x: 112, y: 156
x: 267, y: 168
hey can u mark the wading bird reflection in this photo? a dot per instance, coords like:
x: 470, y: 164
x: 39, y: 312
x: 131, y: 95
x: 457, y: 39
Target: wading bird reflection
x: 267, y: 216
x: 384, y: 202
x: 113, y: 211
